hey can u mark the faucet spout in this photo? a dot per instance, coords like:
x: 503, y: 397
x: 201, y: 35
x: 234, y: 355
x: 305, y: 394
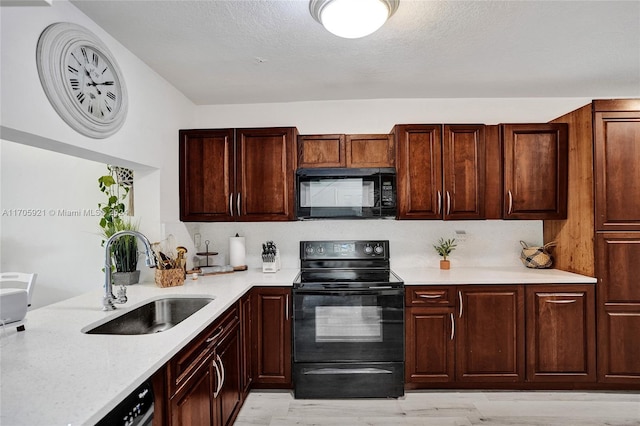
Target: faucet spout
x: 108, y: 298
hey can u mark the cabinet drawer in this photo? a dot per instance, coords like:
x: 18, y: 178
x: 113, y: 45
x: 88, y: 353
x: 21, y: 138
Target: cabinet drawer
x: 430, y: 296
x: 187, y: 361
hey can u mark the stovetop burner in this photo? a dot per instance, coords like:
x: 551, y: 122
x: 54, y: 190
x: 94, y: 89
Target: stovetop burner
x: 333, y: 264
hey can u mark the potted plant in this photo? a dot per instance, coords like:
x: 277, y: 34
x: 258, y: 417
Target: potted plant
x: 124, y: 251
x: 444, y: 249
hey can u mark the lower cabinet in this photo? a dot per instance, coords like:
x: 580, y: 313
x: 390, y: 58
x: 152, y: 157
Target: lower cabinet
x: 499, y: 335
x: 272, y: 337
x: 204, y: 379
x: 561, y: 333
x: 490, y: 340
x: 618, y: 272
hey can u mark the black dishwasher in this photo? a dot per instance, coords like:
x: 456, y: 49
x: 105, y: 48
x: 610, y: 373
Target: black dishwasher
x: 135, y: 410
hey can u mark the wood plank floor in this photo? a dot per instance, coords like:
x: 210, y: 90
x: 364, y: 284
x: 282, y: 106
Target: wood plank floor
x: 442, y: 408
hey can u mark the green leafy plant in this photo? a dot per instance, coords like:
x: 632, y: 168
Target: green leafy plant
x: 445, y: 247
x: 124, y: 250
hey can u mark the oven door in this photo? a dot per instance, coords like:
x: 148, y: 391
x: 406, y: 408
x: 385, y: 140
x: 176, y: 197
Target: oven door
x: 348, y: 325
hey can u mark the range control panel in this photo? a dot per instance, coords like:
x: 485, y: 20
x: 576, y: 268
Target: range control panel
x: 360, y: 249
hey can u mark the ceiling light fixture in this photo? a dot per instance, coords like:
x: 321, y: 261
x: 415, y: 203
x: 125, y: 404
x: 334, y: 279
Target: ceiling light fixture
x: 352, y: 18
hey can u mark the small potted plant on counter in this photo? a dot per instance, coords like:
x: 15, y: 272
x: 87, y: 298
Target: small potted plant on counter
x: 444, y: 249
x: 124, y: 250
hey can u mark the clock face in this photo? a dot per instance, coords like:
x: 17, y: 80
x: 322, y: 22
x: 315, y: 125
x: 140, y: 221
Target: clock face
x: 93, y: 85
x: 81, y: 79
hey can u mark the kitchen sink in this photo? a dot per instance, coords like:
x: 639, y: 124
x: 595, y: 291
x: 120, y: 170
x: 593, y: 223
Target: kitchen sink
x: 152, y: 317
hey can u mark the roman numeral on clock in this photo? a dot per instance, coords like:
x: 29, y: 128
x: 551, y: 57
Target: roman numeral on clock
x: 84, y: 54
x: 75, y: 84
x: 80, y: 97
x: 95, y: 58
x: 111, y: 95
x: 106, y: 104
x: 72, y: 69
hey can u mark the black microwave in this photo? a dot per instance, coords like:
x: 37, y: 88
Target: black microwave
x: 342, y: 193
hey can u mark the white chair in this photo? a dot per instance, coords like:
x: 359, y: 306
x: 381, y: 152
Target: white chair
x: 15, y: 297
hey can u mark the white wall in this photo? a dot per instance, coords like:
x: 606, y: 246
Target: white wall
x: 380, y: 115
x: 488, y: 243
x: 31, y: 129
x: 60, y: 238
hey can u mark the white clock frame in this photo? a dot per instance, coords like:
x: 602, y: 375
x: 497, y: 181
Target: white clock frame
x: 54, y: 45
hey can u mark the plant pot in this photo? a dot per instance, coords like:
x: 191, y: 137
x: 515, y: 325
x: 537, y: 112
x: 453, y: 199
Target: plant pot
x: 445, y: 264
x: 126, y: 278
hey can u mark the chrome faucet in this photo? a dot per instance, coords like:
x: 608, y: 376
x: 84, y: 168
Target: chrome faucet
x: 108, y: 299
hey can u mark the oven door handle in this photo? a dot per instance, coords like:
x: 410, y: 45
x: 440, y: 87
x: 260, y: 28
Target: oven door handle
x: 351, y: 292
x: 322, y: 371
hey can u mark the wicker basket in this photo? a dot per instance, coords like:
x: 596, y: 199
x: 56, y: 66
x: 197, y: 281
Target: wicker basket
x: 536, y: 257
x: 169, y: 277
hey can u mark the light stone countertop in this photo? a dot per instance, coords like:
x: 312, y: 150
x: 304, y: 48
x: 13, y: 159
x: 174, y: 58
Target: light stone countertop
x: 52, y: 374
x: 489, y: 275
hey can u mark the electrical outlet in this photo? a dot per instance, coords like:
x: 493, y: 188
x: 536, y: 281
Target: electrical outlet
x: 460, y: 235
x: 197, y: 240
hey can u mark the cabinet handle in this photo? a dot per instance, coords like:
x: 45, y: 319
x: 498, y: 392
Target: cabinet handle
x: 430, y: 296
x: 460, y: 308
x: 453, y: 326
x: 448, y: 203
x: 510, y: 202
x: 218, y: 377
x: 223, y: 374
x: 231, y: 204
x: 238, y: 204
x: 439, y: 202
x: 561, y: 302
x: 219, y: 331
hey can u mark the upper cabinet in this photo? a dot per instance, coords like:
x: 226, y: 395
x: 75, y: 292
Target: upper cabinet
x: 352, y: 151
x: 616, y: 132
x: 441, y: 171
x: 535, y: 171
x: 241, y: 174
x: 321, y: 151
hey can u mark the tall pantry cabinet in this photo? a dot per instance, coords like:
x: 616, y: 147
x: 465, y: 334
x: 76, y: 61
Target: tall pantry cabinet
x: 601, y: 236
x: 616, y: 137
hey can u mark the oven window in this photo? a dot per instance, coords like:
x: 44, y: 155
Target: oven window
x: 348, y: 324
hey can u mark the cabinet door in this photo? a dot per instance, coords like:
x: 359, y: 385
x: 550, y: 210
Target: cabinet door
x: 618, y: 270
x: 370, y: 151
x: 229, y: 395
x: 490, y: 335
x: 192, y: 404
x: 206, y: 174
x: 265, y: 164
x: 272, y: 337
x: 419, y: 171
x: 321, y: 151
x: 561, y: 333
x: 535, y: 171
x: 246, y: 322
x: 430, y: 334
x: 617, y: 171
x: 463, y: 161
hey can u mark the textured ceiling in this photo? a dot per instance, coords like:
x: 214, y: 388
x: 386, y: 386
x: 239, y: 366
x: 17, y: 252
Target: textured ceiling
x: 253, y: 51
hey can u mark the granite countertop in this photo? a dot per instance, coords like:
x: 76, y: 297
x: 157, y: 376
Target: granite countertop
x: 53, y: 374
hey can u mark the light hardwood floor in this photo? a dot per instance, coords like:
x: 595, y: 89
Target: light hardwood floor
x: 442, y: 408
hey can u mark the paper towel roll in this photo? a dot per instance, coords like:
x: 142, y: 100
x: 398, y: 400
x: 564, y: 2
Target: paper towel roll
x: 237, y: 251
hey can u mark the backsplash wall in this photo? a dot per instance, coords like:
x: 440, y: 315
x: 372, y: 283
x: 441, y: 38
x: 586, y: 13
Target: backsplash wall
x: 488, y: 242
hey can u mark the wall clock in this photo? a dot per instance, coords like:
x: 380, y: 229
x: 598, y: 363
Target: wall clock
x: 81, y: 79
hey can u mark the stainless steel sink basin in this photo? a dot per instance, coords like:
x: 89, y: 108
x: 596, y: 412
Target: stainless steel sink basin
x: 152, y: 317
